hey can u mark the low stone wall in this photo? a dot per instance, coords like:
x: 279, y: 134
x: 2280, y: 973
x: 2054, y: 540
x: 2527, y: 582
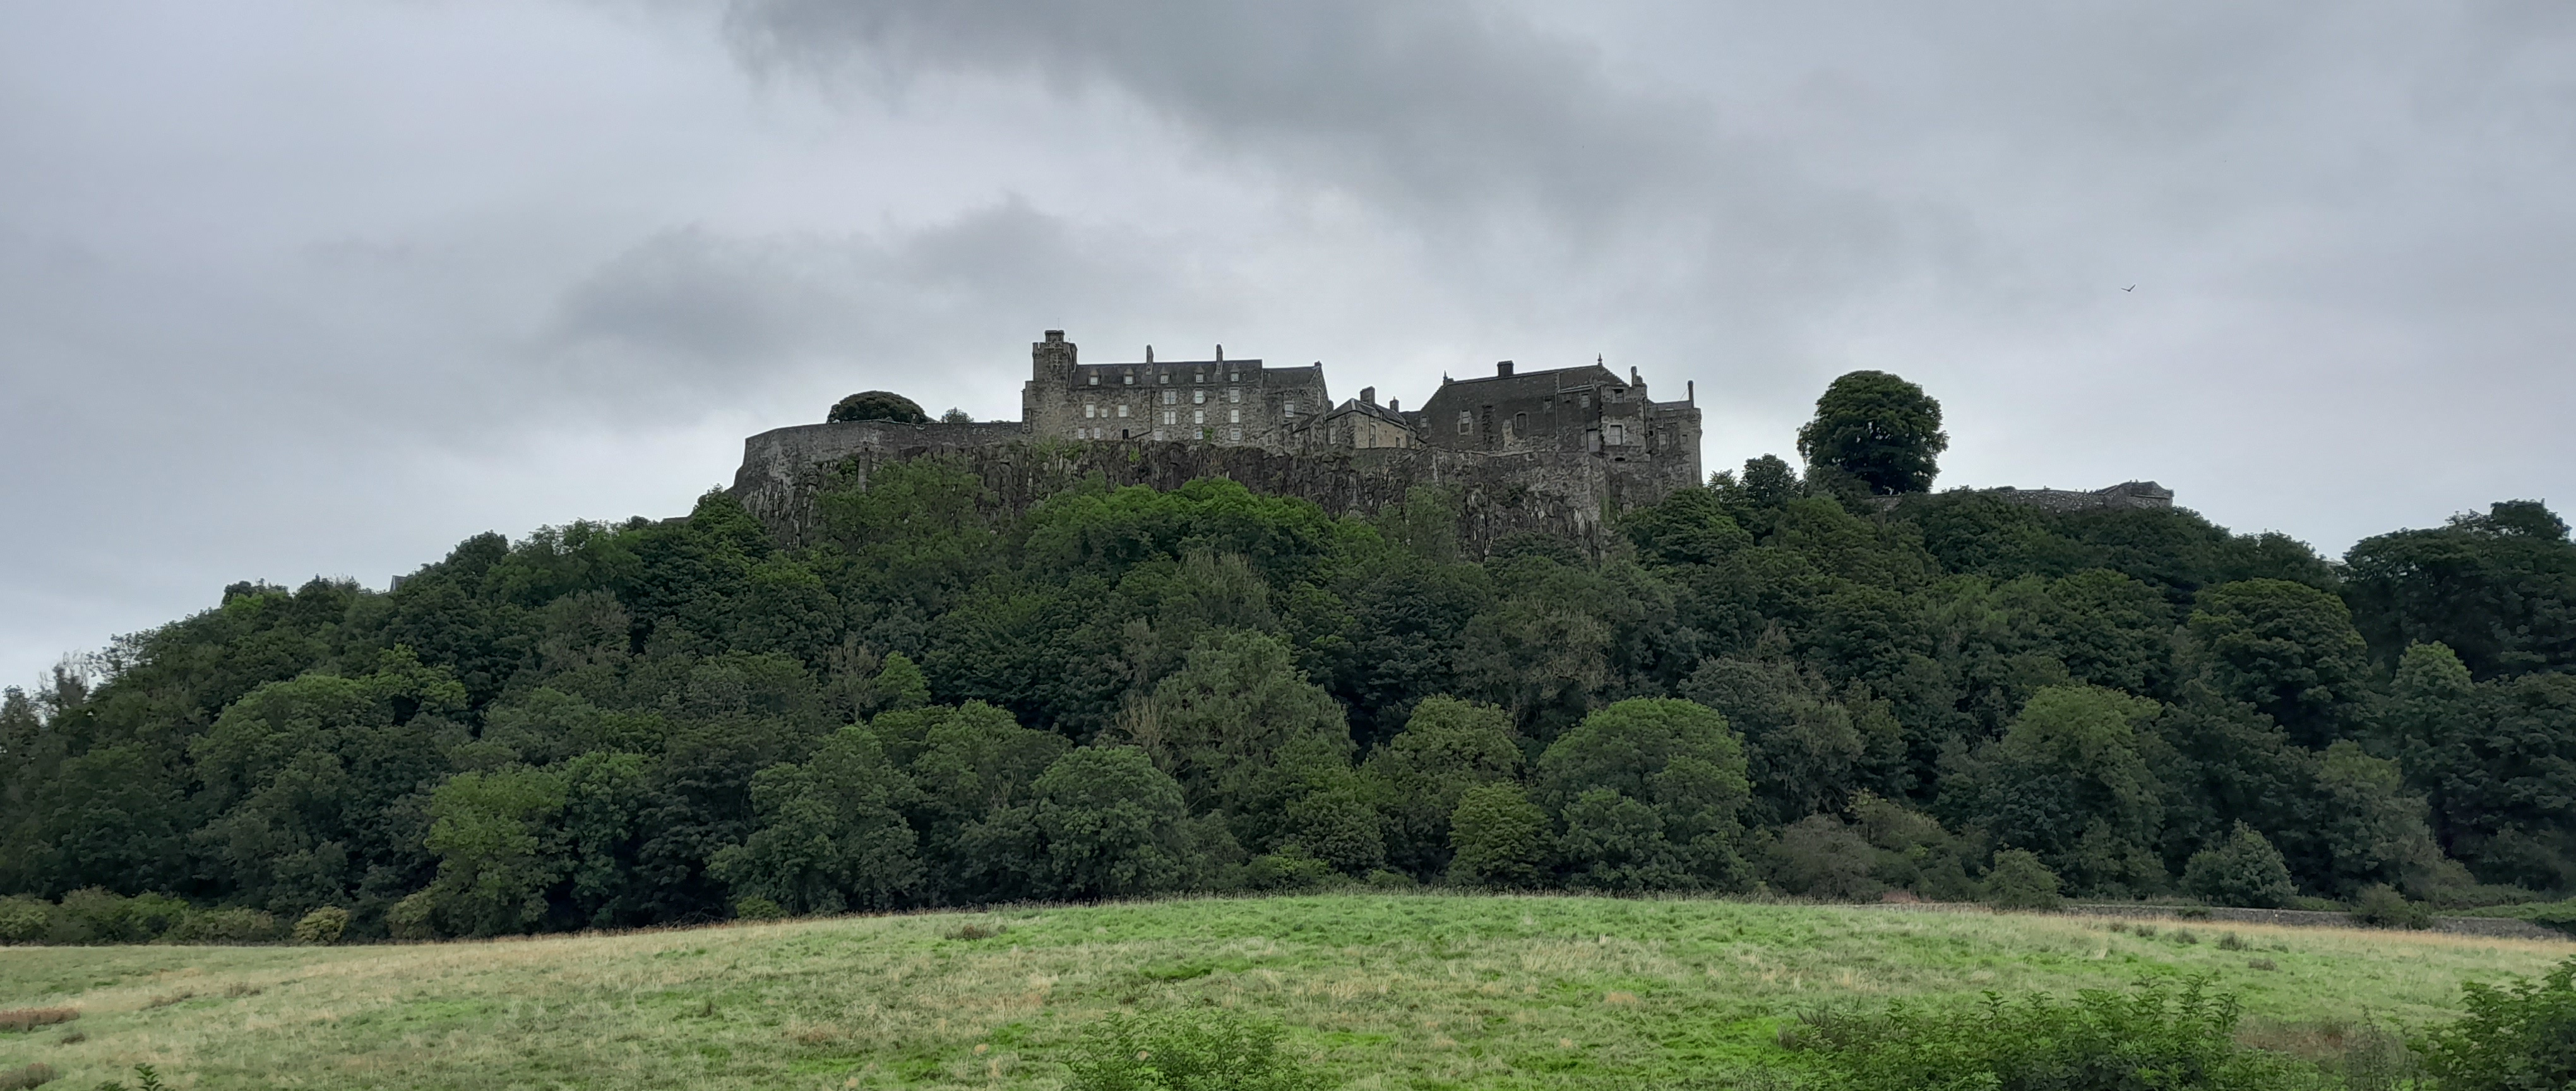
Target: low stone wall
x: 1564, y: 493
x: 2467, y: 926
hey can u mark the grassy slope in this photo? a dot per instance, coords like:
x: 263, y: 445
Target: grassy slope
x: 1387, y: 991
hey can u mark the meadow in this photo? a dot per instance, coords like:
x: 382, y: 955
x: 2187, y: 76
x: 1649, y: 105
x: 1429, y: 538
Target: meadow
x: 1378, y: 990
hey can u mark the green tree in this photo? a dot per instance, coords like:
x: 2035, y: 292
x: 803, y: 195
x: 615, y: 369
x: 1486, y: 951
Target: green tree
x: 2021, y: 880
x: 2285, y: 648
x: 1497, y: 837
x: 830, y: 836
x: 1447, y: 748
x: 1883, y: 431
x: 1649, y: 792
x: 1228, y: 726
x: 2071, y: 783
x: 882, y: 405
x: 1102, y: 822
x: 2244, y: 870
x: 493, y: 835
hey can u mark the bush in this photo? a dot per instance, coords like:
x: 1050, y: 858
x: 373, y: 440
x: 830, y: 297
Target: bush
x: 757, y: 908
x: 2242, y: 870
x: 2145, y: 1039
x: 2517, y: 1037
x: 1820, y: 857
x: 2019, y: 881
x: 231, y: 925
x: 2381, y: 906
x: 1288, y: 869
x: 1186, y: 1051
x: 323, y: 926
x: 24, y: 919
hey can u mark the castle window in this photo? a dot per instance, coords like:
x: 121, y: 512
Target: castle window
x: 1587, y: 401
x: 1234, y: 416
x: 1171, y: 416
x: 1200, y: 377
x: 1122, y: 410
x: 1095, y: 380
x: 1466, y: 422
x: 1520, y: 426
x: 1292, y: 409
x: 1090, y: 410
x: 1234, y: 377
x: 1170, y: 396
x: 1235, y: 434
x: 1618, y: 434
x: 1158, y: 435
x: 1129, y: 380
x: 1165, y: 378
x: 1234, y: 395
x: 1198, y: 397
x: 1198, y: 416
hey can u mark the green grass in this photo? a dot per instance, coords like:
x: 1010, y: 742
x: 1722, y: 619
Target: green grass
x: 1381, y: 991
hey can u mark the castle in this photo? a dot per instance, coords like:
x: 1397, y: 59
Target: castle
x: 1589, y: 410
x: 1558, y: 451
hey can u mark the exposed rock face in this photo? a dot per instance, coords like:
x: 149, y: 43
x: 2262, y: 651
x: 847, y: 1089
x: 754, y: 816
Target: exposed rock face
x: 2127, y: 494
x: 1571, y: 494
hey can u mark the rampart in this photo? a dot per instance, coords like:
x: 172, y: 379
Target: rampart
x: 1570, y: 494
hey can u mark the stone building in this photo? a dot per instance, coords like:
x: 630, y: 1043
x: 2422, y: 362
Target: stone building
x: 1216, y: 401
x: 1359, y: 424
x: 1587, y: 409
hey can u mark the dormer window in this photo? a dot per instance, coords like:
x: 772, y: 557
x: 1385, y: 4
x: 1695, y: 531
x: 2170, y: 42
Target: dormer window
x: 1129, y: 380
x: 1095, y: 380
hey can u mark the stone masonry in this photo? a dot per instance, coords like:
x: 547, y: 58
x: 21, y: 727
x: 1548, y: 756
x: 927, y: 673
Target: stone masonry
x: 1558, y: 452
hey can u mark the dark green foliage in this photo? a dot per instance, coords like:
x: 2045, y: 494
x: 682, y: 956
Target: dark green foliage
x: 966, y: 690
x: 2151, y: 1037
x: 1186, y: 1051
x: 1497, y: 837
x: 2381, y: 906
x: 2517, y: 1037
x: 2020, y: 880
x: 1878, y: 429
x: 883, y: 405
x: 2243, y: 870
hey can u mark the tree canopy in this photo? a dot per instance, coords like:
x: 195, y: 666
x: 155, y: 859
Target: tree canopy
x: 1880, y: 430
x: 880, y: 405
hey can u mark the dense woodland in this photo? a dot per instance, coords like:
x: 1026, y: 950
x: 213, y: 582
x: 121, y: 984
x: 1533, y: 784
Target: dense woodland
x: 1832, y: 685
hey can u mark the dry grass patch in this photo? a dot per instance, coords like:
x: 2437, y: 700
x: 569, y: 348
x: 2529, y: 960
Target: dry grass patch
x: 22, y: 1020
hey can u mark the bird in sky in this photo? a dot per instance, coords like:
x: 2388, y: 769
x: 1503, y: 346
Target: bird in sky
x: 2130, y: 288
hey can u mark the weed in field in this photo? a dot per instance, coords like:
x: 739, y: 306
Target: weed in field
x: 2148, y: 1037
x: 34, y: 1075
x: 2185, y: 937
x: 2231, y: 942
x: 72, y: 1038
x: 2263, y: 964
x: 975, y: 930
x: 146, y: 1078
x: 26, y: 1019
x: 1186, y: 1051
x: 172, y: 998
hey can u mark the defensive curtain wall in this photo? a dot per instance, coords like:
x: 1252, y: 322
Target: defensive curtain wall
x: 1565, y: 493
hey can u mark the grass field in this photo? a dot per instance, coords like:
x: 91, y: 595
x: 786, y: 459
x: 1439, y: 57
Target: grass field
x: 1384, y: 991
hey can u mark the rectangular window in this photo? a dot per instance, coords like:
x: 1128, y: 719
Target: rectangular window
x: 1235, y: 434
x: 1520, y: 426
x: 1199, y: 377
x: 1198, y: 397
x: 1165, y: 378
x: 1587, y: 401
x: 1170, y: 396
x: 1198, y: 416
x: 1090, y: 410
x: 1234, y: 395
x: 1095, y: 380
x: 1171, y: 417
x: 1466, y: 421
x: 1234, y: 416
x: 1158, y: 435
x: 1234, y: 377
x: 1127, y: 381
x: 1618, y: 434
x: 1122, y: 409
x: 1292, y: 409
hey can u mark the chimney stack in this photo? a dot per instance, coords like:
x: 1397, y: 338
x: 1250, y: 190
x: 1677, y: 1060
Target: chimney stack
x: 1395, y: 405
x: 1220, y: 354
x: 1502, y: 369
x: 1633, y: 380
x: 1368, y: 395
x: 1054, y: 336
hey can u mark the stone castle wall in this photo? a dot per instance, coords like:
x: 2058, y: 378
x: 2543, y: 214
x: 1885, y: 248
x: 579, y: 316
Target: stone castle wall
x: 1564, y: 493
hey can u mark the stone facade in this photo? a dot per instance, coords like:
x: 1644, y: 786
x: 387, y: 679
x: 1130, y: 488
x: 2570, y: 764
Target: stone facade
x: 1558, y: 452
x: 1212, y: 401
x: 2120, y: 497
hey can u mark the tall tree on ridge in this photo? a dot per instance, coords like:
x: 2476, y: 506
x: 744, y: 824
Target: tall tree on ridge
x: 1878, y: 428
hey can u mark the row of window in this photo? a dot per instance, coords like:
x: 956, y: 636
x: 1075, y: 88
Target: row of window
x: 1166, y: 378
x: 1232, y: 434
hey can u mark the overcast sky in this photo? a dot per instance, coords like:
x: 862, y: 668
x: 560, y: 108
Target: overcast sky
x: 320, y: 287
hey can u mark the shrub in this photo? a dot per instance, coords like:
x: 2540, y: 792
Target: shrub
x: 2242, y: 870
x: 1288, y: 869
x: 2019, y: 881
x: 323, y: 926
x: 2148, y: 1038
x: 1186, y: 1051
x: 24, y: 919
x: 757, y: 908
x: 21, y: 1020
x: 413, y: 917
x: 231, y: 925
x: 2515, y: 1037
x: 2381, y: 906
x: 1820, y: 857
